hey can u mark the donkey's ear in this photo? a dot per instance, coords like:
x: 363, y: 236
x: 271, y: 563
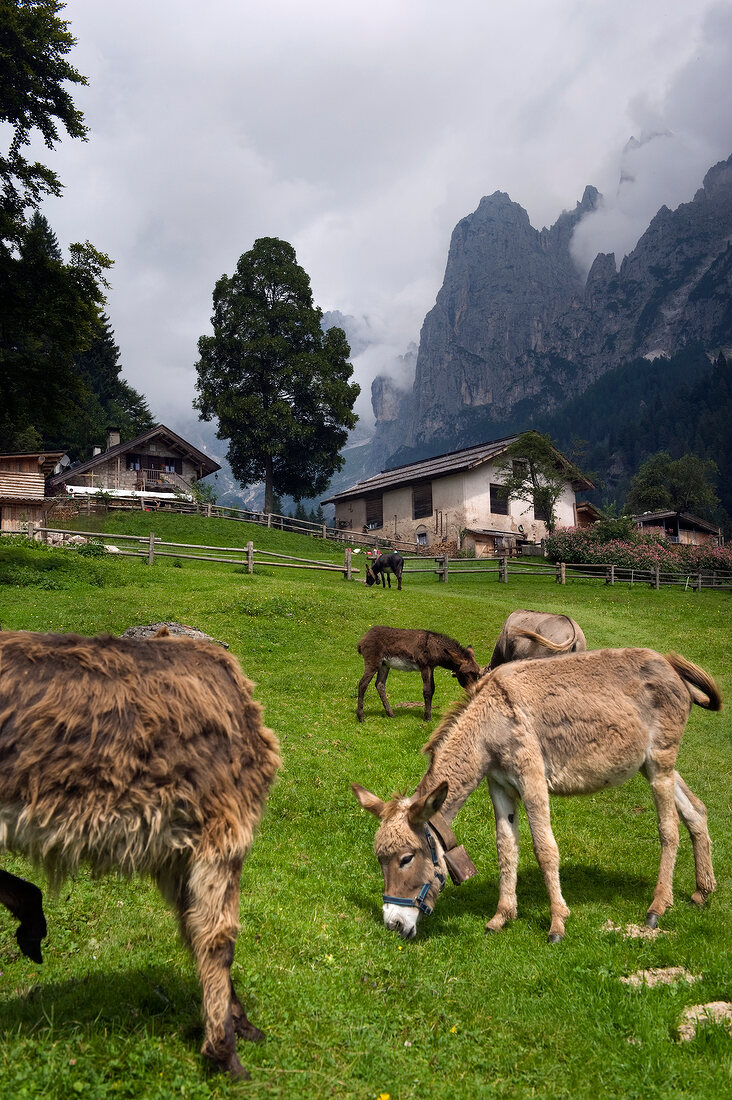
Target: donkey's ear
x: 368, y: 800
x: 423, y: 809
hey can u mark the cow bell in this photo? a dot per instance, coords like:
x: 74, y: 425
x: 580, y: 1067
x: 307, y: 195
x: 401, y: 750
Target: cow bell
x: 460, y: 865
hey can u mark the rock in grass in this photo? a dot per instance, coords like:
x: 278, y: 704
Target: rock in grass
x: 177, y: 629
x: 695, y: 1016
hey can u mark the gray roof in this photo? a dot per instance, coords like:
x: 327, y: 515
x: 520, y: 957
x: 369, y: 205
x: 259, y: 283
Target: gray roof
x: 683, y: 517
x: 429, y: 468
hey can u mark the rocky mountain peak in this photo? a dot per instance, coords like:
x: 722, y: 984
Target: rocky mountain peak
x: 514, y: 321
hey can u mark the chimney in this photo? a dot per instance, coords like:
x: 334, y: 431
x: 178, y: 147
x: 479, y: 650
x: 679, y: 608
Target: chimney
x: 112, y: 438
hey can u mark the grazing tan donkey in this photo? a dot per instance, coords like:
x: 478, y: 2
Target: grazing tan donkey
x: 527, y: 634
x: 534, y: 728
x: 146, y: 757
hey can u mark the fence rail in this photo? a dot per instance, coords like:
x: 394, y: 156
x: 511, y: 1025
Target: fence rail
x: 89, y: 505
x: 443, y: 567
x: 152, y: 546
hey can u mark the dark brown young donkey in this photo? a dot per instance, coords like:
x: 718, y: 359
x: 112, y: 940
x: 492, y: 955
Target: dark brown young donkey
x: 141, y: 756
x: 383, y: 567
x: 387, y: 647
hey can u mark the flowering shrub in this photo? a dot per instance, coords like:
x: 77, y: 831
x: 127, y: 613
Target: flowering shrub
x: 636, y: 550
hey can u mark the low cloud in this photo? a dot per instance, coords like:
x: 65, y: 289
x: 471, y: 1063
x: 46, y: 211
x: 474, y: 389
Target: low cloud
x: 362, y: 134
x: 680, y: 136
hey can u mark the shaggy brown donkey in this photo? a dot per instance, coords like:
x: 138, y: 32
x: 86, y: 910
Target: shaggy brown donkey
x: 146, y: 757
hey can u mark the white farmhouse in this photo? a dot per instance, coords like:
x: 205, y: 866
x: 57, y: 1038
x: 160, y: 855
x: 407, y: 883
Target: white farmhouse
x: 452, y: 498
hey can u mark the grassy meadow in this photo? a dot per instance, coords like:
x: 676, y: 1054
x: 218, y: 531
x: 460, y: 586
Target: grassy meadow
x: 349, y: 1010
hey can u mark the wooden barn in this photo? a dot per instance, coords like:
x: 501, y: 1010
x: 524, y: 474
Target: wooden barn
x: 680, y: 527
x: 23, y: 488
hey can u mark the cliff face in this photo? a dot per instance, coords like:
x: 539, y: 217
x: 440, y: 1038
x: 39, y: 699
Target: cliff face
x: 515, y: 320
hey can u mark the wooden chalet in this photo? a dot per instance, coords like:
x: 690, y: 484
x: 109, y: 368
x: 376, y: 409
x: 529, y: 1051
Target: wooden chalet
x: 159, y: 464
x: 680, y: 527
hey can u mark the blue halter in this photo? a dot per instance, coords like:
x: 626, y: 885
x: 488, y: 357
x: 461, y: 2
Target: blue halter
x: 419, y: 902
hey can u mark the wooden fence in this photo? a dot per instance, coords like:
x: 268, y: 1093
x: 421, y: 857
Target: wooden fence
x: 443, y: 567
x: 151, y: 546
x: 95, y: 505
x: 502, y: 567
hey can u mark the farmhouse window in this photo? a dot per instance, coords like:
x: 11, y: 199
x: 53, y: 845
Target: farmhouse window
x: 374, y: 512
x: 134, y: 462
x: 540, y: 512
x: 499, y: 499
x: 422, y: 500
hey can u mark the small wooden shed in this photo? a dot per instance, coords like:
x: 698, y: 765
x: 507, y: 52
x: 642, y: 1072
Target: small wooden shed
x: 23, y: 488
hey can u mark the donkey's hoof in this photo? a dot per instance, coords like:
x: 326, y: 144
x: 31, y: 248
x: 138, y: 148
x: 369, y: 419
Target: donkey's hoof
x: 554, y: 937
x: 247, y: 1031
x: 651, y: 920
x: 226, y: 1062
x: 30, y: 948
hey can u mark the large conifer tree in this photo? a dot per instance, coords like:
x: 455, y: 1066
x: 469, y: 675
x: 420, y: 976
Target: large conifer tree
x: 277, y: 384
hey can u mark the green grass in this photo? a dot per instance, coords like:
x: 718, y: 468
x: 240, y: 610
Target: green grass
x: 348, y: 1009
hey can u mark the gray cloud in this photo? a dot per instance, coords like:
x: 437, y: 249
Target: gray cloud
x: 362, y: 134
x: 682, y: 132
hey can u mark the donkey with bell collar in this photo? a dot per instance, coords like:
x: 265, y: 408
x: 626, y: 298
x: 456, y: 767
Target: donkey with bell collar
x: 535, y: 728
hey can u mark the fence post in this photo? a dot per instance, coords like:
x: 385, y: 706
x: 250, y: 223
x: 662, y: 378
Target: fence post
x: 347, y: 570
x: 250, y: 557
x: 325, y: 531
x: 610, y: 575
x: 657, y: 583
x: 151, y: 549
x: 208, y: 509
x: 562, y: 578
x: 503, y: 569
x: 699, y: 583
x: 269, y: 519
x: 442, y: 573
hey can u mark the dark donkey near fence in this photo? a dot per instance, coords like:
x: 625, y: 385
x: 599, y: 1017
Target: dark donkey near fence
x: 145, y: 757
x: 387, y: 647
x: 533, y: 728
x: 383, y: 566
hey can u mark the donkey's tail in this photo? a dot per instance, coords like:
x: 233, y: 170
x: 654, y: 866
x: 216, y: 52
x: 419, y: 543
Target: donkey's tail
x: 702, y: 688
x: 556, y: 647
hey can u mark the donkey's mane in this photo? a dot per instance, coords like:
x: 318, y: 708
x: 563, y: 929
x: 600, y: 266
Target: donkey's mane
x: 450, y: 720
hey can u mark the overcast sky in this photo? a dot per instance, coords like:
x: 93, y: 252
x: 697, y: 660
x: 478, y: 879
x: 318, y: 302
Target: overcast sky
x: 362, y: 133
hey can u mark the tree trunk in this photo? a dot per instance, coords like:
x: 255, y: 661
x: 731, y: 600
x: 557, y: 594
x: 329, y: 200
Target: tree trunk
x: 268, y: 489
